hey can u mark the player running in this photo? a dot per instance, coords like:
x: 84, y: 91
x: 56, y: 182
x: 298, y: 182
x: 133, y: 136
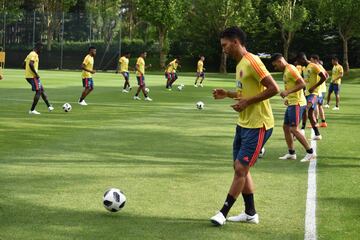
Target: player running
x: 31, y: 65
x: 88, y: 69
x: 312, y: 90
x: 200, y: 72
x: 171, y: 74
x: 337, y: 74
x: 254, y: 87
x: 124, y: 70
x: 140, y: 76
x: 296, y: 105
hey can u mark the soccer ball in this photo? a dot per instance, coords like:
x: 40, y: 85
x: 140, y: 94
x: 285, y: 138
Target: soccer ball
x: 67, y: 107
x: 180, y: 88
x: 147, y: 90
x: 200, y: 105
x: 114, y: 200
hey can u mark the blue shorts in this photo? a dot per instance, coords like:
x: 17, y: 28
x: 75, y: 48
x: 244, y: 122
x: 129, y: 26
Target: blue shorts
x: 293, y: 114
x: 311, y: 99
x: 35, y: 84
x: 334, y: 88
x: 140, y: 80
x: 248, y: 143
x: 200, y: 74
x: 88, y: 83
x: 320, y: 99
x: 126, y: 75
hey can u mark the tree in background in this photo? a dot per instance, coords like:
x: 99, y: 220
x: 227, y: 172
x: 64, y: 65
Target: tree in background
x: 52, y: 11
x: 165, y: 15
x: 345, y: 15
x: 289, y: 16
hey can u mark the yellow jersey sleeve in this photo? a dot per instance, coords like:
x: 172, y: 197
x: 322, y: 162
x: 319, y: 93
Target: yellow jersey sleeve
x: 258, y: 67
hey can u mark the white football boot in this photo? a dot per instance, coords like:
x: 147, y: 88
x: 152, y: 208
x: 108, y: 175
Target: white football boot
x: 288, y: 156
x: 243, y: 217
x: 218, y: 219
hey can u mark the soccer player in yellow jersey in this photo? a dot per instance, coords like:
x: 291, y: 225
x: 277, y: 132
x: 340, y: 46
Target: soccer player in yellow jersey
x: 312, y: 90
x: 124, y: 70
x: 200, y: 71
x: 31, y: 65
x: 337, y: 74
x: 140, y: 76
x: 87, y: 71
x: 296, y: 105
x: 254, y: 87
x: 322, y: 91
x: 171, y: 74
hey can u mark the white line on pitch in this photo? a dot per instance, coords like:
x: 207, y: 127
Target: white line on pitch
x: 310, y: 215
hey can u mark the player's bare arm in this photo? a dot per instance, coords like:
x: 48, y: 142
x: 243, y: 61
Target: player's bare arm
x: 83, y: 67
x: 271, y: 90
x: 32, y: 68
x: 322, y: 79
x: 300, y: 84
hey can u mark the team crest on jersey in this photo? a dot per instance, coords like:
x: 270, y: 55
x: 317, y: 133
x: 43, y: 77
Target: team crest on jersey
x: 238, y: 84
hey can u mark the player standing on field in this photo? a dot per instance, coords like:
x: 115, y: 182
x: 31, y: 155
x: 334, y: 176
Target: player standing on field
x: 32, y: 77
x: 296, y: 105
x: 140, y: 76
x: 254, y: 86
x: 171, y: 74
x: 336, y: 75
x: 88, y: 69
x: 200, y: 71
x: 312, y: 90
x: 124, y: 70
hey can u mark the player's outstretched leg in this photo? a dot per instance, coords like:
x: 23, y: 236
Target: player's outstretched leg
x: 46, y: 100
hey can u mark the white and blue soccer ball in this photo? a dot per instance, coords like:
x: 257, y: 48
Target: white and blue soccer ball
x: 180, y: 87
x: 67, y: 107
x: 114, y: 200
x: 147, y: 90
x: 200, y: 105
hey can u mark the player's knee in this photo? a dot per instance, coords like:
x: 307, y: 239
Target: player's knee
x: 240, y: 169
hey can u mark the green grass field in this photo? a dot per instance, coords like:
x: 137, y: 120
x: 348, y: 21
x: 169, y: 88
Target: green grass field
x: 172, y: 161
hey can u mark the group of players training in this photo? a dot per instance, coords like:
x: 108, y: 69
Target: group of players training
x: 31, y: 66
x: 254, y: 88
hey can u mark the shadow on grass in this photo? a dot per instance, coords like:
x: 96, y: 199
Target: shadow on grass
x: 42, y: 222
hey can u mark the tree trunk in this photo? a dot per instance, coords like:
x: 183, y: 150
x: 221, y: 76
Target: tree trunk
x: 345, y: 38
x: 49, y: 33
x: 287, y: 38
x: 345, y: 57
x: 223, y: 63
x: 163, y: 50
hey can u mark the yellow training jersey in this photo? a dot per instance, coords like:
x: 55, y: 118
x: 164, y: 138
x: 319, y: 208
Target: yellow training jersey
x: 124, y: 64
x: 311, y: 77
x: 337, y: 71
x: 291, y: 75
x: 249, y: 73
x: 33, y: 56
x: 300, y: 69
x: 172, y: 66
x: 200, y: 66
x: 322, y: 87
x: 141, y: 65
x: 89, y: 65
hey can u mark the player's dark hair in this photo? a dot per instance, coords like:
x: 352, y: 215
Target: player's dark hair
x: 234, y: 33
x: 275, y: 57
x: 315, y: 56
x: 335, y: 58
x: 91, y: 48
x: 300, y: 55
x: 38, y: 45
